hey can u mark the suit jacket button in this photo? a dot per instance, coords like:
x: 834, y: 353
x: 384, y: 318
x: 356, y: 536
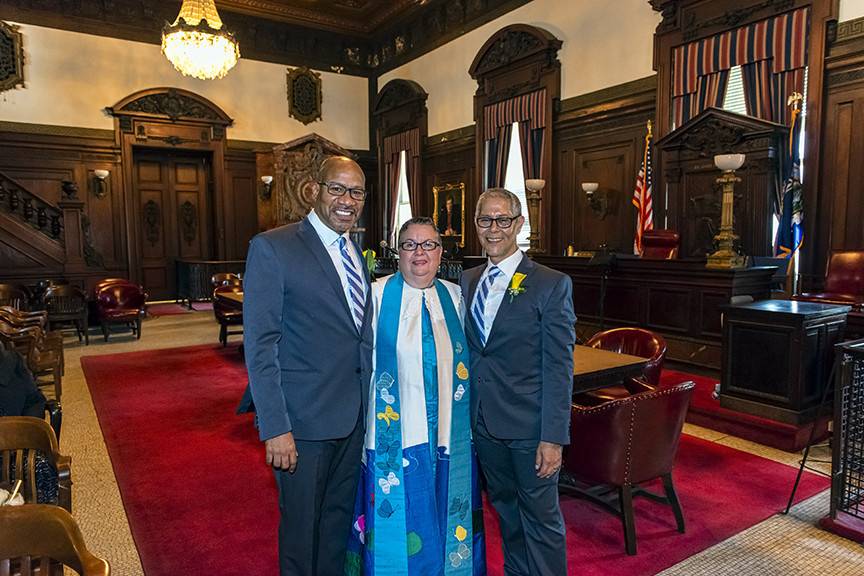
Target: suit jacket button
x: 357, y: 370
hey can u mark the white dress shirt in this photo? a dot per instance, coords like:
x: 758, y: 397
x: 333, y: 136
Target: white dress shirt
x: 498, y: 289
x: 330, y: 239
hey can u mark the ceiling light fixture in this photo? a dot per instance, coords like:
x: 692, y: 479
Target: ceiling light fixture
x: 197, y: 43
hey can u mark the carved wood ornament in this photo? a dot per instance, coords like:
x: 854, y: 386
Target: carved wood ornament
x: 11, y: 57
x: 304, y: 95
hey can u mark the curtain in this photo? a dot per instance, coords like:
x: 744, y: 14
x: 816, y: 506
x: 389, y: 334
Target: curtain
x: 529, y: 110
x: 409, y: 141
x: 772, y: 54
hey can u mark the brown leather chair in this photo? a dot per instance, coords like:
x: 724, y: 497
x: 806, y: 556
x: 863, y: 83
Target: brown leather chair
x: 661, y: 244
x: 227, y: 314
x: 68, y: 304
x: 21, y: 438
x: 622, y: 444
x: 636, y: 342
x: 844, y: 281
x: 41, y: 539
x: 120, y: 304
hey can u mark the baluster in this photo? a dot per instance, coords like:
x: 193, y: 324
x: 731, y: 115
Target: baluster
x: 14, y: 200
x: 41, y: 217
x: 28, y: 209
x: 56, y: 226
x: 3, y: 192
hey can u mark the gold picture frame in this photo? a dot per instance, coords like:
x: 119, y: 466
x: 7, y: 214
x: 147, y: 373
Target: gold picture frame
x: 455, y: 231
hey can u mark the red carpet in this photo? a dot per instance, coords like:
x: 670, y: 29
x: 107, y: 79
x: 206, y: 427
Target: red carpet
x: 200, y: 500
x: 166, y: 309
x: 705, y: 411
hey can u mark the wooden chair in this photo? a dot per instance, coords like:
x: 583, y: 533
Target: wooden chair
x: 15, y: 295
x: 43, y: 357
x: 21, y: 437
x: 622, y: 444
x: 41, y: 539
x: 226, y: 313
x: 68, y: 304
x: 51, y: 340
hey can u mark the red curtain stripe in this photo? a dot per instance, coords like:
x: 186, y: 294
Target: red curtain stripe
x: 529, y: 108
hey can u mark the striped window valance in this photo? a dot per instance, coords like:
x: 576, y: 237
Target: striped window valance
x: 781, y: 39
x: 529, y: 108
x: 408, y: 140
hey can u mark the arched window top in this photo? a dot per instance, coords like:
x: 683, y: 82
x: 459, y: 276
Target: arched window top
x: 398, y: 92
x: 513, y: 43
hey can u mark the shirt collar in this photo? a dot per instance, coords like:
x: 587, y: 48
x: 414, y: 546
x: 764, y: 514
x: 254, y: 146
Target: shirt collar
x: 327, y: 235
x: 508, y: 266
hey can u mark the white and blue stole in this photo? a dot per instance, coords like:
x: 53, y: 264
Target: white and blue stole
x: 392, y: 542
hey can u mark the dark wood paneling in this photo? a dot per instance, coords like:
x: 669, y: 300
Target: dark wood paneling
x: 241, y: 200
x: 840, y: 210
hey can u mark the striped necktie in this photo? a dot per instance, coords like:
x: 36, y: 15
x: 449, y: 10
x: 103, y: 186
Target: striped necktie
x: 356, y: 289
x: 479, y: 308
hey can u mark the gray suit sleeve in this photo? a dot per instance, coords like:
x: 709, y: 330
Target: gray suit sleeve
x: 559, y: 334
x: 262, y: 331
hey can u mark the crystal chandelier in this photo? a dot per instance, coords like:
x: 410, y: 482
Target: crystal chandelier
x: 197, y: 44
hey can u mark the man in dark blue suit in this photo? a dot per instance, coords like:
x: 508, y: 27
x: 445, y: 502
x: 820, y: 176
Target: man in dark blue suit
x: 521, y: 339
x: 308, y: 345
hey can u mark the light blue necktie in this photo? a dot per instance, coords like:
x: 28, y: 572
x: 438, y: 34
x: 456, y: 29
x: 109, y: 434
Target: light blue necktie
x: 355, y: 284
x: 479, y: 307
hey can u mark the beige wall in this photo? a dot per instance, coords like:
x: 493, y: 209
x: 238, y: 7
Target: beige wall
x: 851, y: 9
x: 71, y: 77
x: 604, y: 43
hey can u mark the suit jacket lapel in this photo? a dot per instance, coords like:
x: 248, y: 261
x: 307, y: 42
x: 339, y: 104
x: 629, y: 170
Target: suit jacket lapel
x: 308, y: 234
x: 526, y: 266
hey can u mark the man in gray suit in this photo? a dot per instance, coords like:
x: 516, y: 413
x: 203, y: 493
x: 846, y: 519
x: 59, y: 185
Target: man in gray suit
x: 521, y: 339
x: 308, y: 342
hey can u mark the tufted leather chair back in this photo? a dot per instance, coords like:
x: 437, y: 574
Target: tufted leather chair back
x: 636, y: 342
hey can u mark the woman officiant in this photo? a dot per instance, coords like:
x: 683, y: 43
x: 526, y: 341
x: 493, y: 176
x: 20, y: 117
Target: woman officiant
x: 418, y: 496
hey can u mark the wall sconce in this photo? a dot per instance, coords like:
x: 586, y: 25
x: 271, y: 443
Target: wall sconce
x: 725, y: 256
x: 265, y: 191
x: 100, y: 187
x: 596, y: 200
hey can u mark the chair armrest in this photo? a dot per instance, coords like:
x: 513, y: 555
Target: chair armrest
x: 64, y: 481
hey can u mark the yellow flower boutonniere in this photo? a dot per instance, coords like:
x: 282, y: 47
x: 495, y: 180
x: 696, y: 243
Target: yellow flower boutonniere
x: 369, y: 257
x: 516, y: 287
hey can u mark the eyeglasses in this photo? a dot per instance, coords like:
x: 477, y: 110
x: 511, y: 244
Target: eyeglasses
x: 501, y: 221
x: 427, y: 245
x: 339, y: 190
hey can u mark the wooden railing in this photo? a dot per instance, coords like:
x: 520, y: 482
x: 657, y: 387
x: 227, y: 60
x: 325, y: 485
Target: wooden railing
x: 28, y: 208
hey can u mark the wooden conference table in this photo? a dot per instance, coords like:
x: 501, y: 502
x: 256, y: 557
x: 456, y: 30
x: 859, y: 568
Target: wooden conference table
x: 592, y: 368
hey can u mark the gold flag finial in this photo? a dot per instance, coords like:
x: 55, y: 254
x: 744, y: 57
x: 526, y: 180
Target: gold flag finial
x: 794, y: 100
x: 649, y: 127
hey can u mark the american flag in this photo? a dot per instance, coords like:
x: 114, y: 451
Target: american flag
x: 642, y: 196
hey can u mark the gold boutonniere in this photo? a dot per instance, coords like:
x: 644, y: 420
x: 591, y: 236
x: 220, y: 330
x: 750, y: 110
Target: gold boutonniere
x: 516, y: 287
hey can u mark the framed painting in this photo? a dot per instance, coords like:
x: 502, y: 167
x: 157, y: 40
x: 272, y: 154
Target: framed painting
x: 449, y: 213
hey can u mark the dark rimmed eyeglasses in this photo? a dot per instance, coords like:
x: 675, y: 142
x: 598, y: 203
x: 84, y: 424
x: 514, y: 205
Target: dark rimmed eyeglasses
x: 501, y: 221
x: 427, y: 245
x: 338, y: 190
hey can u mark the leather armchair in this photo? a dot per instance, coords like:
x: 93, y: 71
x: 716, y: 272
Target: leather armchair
x: 660, y: 244
x: 622, y: 444
x: 636, y: 342
x: 225, y: 278
x: 120, y: 304
x: 227, y: 313
x: 844, y: 281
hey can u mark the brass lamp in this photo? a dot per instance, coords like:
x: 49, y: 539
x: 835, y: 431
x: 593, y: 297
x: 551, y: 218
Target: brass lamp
x: 725, y: 256
x: 533, y: 186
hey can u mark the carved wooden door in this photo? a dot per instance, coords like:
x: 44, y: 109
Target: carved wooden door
x: 174, y: 217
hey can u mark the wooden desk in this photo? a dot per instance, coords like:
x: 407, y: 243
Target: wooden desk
x: 233, y: 299
x: 594, y: 368
x: 680, y: 299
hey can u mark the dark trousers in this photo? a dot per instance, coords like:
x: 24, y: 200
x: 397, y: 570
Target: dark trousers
x: 532, y: 527
x: 316, y: 503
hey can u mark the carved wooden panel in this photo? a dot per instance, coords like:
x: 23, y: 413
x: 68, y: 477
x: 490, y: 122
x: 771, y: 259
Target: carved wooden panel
x: 241, y: 203
x: 11, y: 57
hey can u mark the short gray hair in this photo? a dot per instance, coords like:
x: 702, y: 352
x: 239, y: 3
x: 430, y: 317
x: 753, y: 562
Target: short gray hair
x: 503, y: 194
x: 418, y: 221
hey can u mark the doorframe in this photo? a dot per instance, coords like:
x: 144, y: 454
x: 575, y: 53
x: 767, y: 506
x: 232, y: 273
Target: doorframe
x: 170, y: 119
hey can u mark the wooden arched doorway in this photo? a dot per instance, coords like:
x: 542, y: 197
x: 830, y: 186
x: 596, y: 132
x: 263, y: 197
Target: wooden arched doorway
x: 173, y: 152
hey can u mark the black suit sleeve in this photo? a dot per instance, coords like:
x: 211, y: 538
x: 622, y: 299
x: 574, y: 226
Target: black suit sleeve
x: 558, y: 328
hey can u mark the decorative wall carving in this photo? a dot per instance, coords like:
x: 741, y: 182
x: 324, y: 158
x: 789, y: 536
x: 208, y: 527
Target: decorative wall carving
x: 171, y: 103
x: 11, y: 57
x: 850, y: 29
x: 510, y: 46
x: 91, y: 256
x: 152, y: 221
x: 189, y: 222
x: 296, y: 175
x: 304, y: 95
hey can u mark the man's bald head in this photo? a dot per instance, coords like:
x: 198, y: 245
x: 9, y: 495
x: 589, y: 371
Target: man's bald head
x: 337, y: 165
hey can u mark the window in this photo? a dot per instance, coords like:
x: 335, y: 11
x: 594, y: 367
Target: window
x: 514, y: 181
x: 403, y: 208
x: 734, y: 99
